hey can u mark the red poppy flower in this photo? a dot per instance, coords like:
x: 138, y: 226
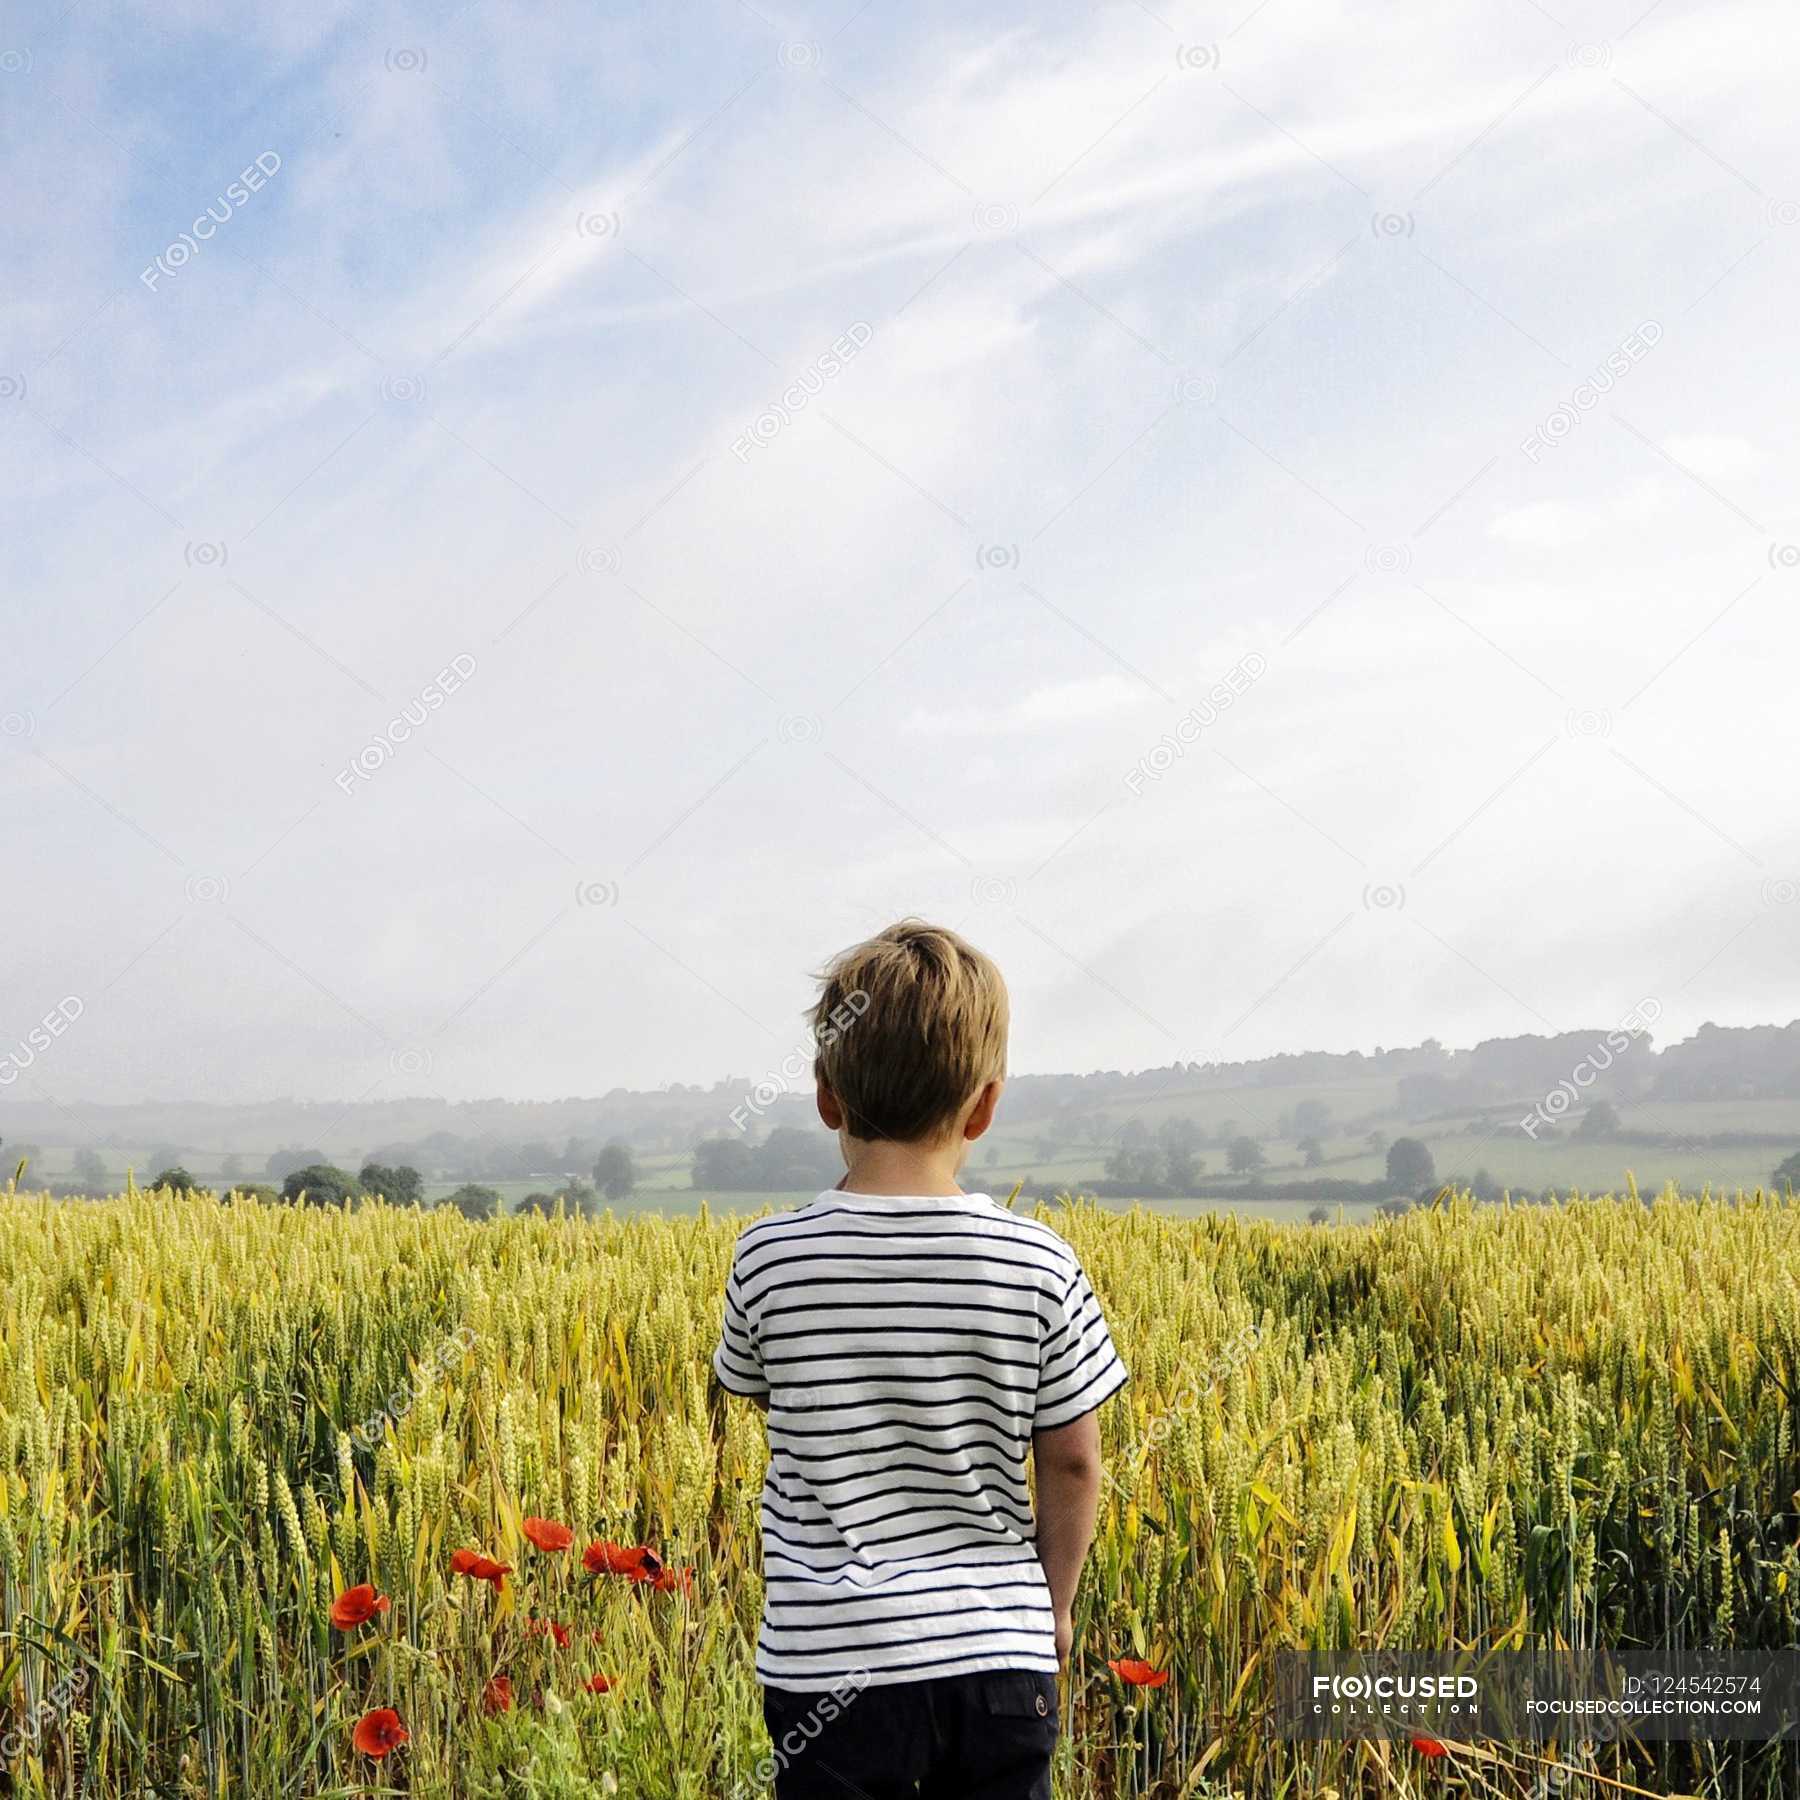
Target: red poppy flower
x: 1429, y: 1746
x: 550, y: 1628
x: 497, y: 1696
x: 547, y: 1534
x: 603, y: 1557
x: 1138, y: 1674
x: 378, y: 1732
x: 357, y: 1606
x: 478, y: 1567
x: 667, y: 1581
x: 598, y: 1684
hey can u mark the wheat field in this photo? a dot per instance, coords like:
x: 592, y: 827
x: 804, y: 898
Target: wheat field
x: 1572, y: 1423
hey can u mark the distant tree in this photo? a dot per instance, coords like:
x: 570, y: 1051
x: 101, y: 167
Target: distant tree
x: 1134, y: 1134
x: 89, y: 1170
x: 534, y: 1158
x: 231, y: 1168
x: 1136, y: 1167
x: 284, y: 1162
x: 1376, y: 1142
x: 1312, y: 1118
x: 164, y: 1156
x: 1601, y: 1120
x: 1396, y: 1208
x: 319, y: 1184
x: 1181, y: 1168
x: 1245, y: 1155
x: 1180, y: 1134
x: 1787, y: 1173
x: 474, y: 1201
x: 537, y: 1203
x: 615, y: 1171
x: 1318, y: 1216
x: 722, y: 1164
x: 1483, y: 1186
x: 578, y: 1198
x: 177, y: 1178
x: 791, y: 1159
x: 1409, y: 1165
x: 255, y: 1190
x: 1312, y: 1151
x: 398, y: 1183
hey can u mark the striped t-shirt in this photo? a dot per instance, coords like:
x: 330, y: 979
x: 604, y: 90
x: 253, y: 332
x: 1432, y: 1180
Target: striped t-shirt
x: 908, y: 1349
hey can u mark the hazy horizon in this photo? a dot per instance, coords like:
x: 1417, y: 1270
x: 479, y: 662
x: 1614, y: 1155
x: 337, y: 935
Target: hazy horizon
x: 1646, y: 1044
x: 800, y: 469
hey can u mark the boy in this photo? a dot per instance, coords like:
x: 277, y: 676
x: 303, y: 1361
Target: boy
x: 908, y: 1341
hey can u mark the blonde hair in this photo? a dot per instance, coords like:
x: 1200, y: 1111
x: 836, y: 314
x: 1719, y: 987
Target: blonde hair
x: 909, y: 1027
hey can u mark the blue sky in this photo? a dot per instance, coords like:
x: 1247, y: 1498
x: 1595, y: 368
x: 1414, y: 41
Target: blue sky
x: 1444, y: 373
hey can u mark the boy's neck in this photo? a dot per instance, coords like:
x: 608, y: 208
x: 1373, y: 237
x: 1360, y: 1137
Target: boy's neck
x: 881, y: 1167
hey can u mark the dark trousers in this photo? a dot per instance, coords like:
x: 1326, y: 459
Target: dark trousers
x: 961, y: 1737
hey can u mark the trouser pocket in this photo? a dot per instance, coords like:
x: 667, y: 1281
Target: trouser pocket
x: 1008, y: 1726
x: 1021, y: 1695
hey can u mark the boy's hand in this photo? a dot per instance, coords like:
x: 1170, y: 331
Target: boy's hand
x: 1065, y: 1638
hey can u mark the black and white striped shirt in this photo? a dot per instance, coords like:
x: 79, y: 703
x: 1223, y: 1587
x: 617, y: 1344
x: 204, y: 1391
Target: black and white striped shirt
x: 908, y: 1349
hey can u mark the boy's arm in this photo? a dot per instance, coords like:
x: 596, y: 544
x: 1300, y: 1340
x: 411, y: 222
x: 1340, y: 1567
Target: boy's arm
x: 1068, y: 1499
x: 1078, y: 1370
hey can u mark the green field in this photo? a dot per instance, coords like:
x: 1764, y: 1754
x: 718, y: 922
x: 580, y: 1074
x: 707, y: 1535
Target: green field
x: 1657, y: 1143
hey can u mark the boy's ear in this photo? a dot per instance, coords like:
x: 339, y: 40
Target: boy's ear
x: 831, y: 1111
x: 982, y: 1115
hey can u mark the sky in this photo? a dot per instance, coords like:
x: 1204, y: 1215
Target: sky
x: 532, y: 529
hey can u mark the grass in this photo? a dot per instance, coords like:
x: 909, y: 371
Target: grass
x: 1470, y: 1426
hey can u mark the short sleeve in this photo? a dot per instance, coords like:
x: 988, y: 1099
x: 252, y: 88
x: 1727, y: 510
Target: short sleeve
x: 737, y: 1362
x: 1078, y: 1369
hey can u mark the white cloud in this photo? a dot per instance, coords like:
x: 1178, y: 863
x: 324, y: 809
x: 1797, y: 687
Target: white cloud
x: 639, y: 725
x: 1058, y: 705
